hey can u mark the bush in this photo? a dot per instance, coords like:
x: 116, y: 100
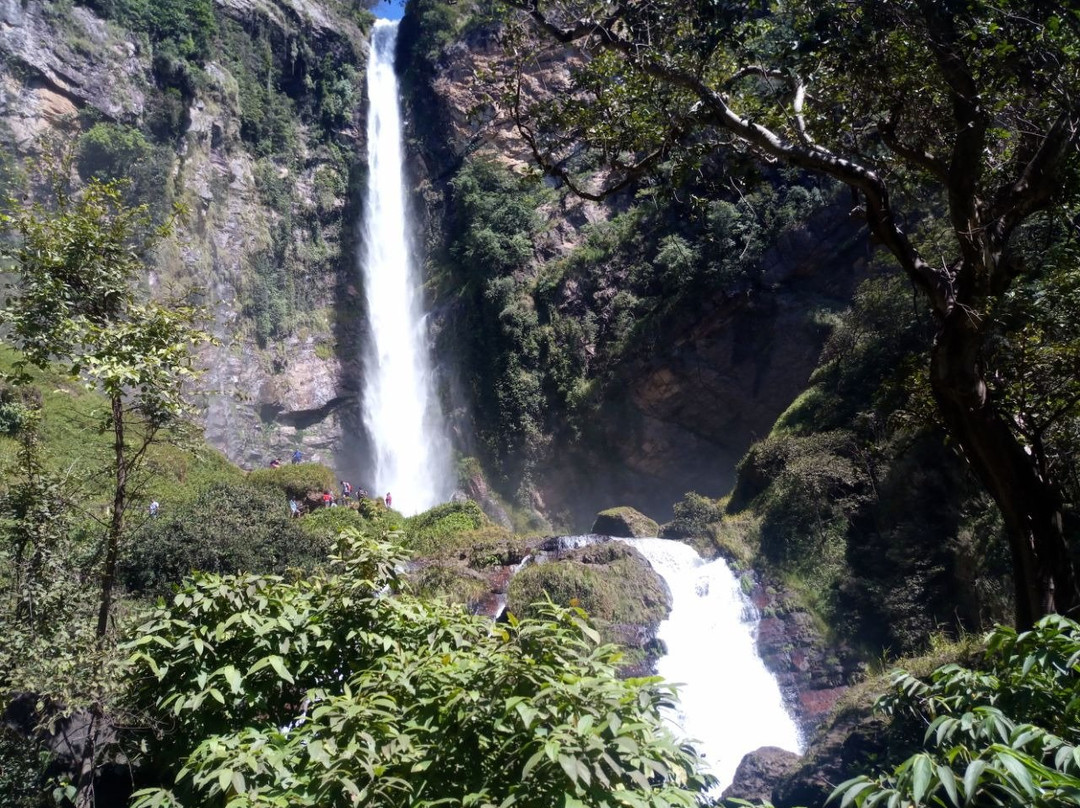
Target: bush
x: 1003, y: 735
x: 109, y: 151
x: 390, y: 701
x: 16, y: 407
x: 325, y: 524
x: 23, y: 765
x: 227, y: 528
x: 295, y: 480
x: 435, y: 528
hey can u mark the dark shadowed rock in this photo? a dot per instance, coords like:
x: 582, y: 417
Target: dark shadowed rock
x: 759, y: 773
x: 848, y: 745
x: 624, y: 523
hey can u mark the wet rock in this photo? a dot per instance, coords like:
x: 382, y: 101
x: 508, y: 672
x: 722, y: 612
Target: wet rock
x: 813, y: 674
x: 846, y: 747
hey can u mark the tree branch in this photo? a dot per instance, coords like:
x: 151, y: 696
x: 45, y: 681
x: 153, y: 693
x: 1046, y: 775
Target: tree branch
x: 715, y: 111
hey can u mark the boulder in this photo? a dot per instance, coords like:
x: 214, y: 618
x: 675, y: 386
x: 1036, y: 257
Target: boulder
x: 624, y: 523
x: 760, y: 772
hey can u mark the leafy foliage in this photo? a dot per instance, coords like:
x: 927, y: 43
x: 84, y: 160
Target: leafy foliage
x: 1004, y: 734
x: 247, y: 674
x: 295, y: 480
x: 427, y: 532
x: 890, y: 98
x: 228, y: 528
x: 186, y: 27
x: 860, y: 502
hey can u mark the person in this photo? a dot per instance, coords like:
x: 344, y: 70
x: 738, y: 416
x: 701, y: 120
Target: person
x: 154, y: 508
x: 388, y: 499
x: 361, y: 494
x: 275, y: 463
x: 346, y: 489
x: 327, y: 499
x: 297, y: 456
x: 294, y: 508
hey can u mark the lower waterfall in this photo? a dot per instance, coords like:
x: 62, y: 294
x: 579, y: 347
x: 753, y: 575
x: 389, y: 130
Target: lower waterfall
x: 729, y: 703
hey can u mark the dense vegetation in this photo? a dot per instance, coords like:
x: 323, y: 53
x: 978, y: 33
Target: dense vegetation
x: 999, y: 172
x: 546, y: 338
x: 288, y: 664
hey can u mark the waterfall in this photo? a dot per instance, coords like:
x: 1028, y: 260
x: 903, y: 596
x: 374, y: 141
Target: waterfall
x: 728, y: 701
x: 411, y: 456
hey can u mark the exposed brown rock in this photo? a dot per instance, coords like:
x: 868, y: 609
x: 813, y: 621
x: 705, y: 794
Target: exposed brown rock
x: 759, y: 772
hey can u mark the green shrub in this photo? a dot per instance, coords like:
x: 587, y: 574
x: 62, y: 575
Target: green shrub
x: 437, y: 527
x: 1003, y: 734
x: 23, y: 765
x: 227, y: 528
x: 324, y: 524
x: 695, y: 515
x: 295, y: 480
x: 389, y: 701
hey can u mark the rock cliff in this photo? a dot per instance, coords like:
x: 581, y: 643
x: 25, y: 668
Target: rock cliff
x: 680, y: 405
x: 248, y: 205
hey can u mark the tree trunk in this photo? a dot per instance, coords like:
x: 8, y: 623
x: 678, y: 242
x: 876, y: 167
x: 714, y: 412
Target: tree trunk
x: 116, y: 524
x: 1030, y: 505
x: 84, y: 787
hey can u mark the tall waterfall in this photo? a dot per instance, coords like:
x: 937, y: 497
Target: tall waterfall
x: 411, y: 457
x: 728, y: 701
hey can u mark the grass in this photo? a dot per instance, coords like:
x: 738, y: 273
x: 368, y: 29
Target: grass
x: 77, y: 446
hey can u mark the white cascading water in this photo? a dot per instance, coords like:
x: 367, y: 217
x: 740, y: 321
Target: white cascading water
x: 729, y: 703
x: 401, y: 409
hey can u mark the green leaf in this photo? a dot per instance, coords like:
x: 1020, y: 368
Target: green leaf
x: 853, y: 791
x: 922, y: 773
x: 278, y: 664
x: 948, y: 780
x: 1018, y: 770
x: 972, y: 775
x: 233, y: 677
x: 569, y: 765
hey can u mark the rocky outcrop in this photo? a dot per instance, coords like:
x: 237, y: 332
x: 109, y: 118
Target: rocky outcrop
x: 66, y: 60
x: 760, y: 772
x: 812, y: 672
x: 624, y: 523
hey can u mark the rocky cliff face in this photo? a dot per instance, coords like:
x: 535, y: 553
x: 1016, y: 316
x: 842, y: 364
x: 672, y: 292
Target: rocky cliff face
x: 678, y: 408
x: 65, y: 69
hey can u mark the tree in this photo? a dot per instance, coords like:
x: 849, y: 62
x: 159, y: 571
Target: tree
x: 337, y: 691
x: 967, y: 108
x: 74, y: 301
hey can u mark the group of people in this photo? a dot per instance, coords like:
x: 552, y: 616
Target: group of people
x: 348, y: 492
x: 328, y: 500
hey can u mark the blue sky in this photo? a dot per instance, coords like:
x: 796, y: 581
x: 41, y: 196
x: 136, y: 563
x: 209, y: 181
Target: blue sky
x: 389, y: 9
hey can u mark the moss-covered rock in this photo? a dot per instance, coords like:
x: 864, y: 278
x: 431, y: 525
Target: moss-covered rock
x: 610, y: 581
x: 624, y: 523
x: 449, y: 582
